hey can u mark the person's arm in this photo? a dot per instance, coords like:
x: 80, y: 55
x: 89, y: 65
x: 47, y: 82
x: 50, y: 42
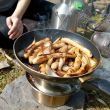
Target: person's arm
x: 21, y: 8
x: 14, y: 21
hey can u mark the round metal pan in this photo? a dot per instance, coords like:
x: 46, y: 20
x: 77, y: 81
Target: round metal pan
x: 26, y: 39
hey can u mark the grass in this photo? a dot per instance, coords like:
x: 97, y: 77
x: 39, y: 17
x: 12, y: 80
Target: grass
x: 7, y: 75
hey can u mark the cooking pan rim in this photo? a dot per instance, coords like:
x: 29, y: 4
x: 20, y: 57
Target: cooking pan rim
x: 49, y: 77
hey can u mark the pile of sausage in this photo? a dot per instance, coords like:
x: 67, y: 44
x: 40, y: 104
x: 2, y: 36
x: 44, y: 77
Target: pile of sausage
x: 64, y: 56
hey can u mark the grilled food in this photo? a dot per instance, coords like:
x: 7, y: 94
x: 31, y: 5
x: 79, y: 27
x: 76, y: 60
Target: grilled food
x: 64, y: 56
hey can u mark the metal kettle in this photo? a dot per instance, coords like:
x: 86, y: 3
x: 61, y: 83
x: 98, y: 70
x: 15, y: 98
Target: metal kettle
x: 65, y: 15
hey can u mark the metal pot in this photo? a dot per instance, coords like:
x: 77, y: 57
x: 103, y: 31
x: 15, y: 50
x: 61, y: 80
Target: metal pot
x: 60, y: 15
x: 65, y: 15
x: 48, y: 99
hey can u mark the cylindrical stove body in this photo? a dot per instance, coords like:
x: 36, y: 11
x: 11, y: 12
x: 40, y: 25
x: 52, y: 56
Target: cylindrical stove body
x: 51, y: 97
x: 46, y: 99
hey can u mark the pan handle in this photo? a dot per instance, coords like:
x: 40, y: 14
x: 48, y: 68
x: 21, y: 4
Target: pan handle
x: 85, y: 78
x: 100, y: 84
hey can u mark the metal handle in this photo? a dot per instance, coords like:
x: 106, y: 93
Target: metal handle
x: 101, y: 84
x: 85, y: 78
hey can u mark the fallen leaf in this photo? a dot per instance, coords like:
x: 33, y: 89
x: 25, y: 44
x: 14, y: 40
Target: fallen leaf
x: 4, y: 64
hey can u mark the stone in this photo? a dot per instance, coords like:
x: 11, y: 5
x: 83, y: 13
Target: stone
x: 17, y: 96
x: 103, y: 71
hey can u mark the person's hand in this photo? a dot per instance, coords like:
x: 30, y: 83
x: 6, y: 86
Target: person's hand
x: 15, y: 27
